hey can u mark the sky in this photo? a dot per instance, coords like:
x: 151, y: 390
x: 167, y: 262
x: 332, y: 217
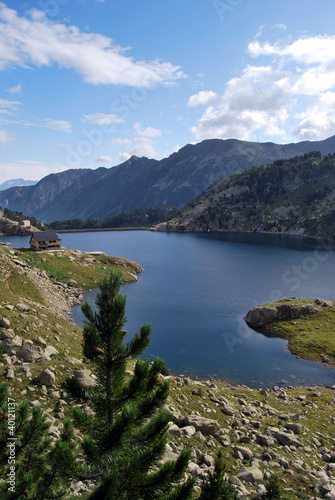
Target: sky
x: 89, y: 83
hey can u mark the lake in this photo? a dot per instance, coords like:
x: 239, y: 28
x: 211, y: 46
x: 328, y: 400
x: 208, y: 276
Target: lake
x: 195, y: 289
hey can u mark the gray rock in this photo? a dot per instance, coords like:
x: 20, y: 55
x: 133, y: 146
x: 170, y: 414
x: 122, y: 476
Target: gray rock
x: 292, y: 426
x: 174, y: 430
x: 261, y: 316
x: 30, y: 353
x: 228, y: 409
x: 7, y: 334
x: 188, y: 430
x: 194, y: 469
x: 47, y: 377
x: 284, y: 463
x: 7, y: 360
x: 246, y: 452
x: 40, y: 341
x: 50, y: 350
x: 249, y: 411
x: 202, y: 424
x: 284, y: 438
x: 84, y: 377
x: 250, y: 474
x: 209, y: 460
x: 264, y: 440
x: 199, y: 435
x: 10, y: 373
x: 4, y: 322
x: 22, y: 307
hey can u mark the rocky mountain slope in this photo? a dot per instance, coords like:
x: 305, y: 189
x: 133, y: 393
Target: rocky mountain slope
x: 289, y: 431
x: 141, y: 182
x: 295, y: 196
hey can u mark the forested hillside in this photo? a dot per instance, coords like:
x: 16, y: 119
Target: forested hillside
x: 295, y: 196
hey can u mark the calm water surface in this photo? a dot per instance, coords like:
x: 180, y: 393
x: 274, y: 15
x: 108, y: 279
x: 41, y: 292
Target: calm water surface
x: 196, y: 288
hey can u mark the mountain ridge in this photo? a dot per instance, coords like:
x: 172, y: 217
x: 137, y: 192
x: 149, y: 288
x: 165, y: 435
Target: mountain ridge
x: 141, y: 182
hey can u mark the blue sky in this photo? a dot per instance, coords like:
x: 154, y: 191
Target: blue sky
x: 88, y: 83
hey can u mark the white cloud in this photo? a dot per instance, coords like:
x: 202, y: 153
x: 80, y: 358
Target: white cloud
x: 143, y: 148
x: 318, y: 121
x: 204, y: 98
x: 104, y: 159
x: 5, y: 137
x: 123, y: 157
x: 144, y: 140
x: 146, y: 132
x: 38, y: 41
x: 281, y: 26
x: 120, y: 141
x: 290, y: 98
x: 62, y: 125
x: 15, y: 90
x: 8, y: 107
x: 102, y: 119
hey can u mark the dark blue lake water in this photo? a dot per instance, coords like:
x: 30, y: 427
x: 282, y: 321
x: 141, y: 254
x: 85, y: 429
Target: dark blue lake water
x: 196, y: 288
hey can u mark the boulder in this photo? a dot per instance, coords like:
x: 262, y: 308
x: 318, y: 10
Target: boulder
x: 167, y: 457
x: 50, y: 350
x: 250, y: 474
x: 259, y: 317
x: 293, y: 426
x: 265, y: 440
x: 188, y: 430
x: 84, y: 377
x: 202, y: 424
x: 209, y: 460
x: 228, y: 409
x: 10, y: 373
x: 47, y: 377
x: 284, y: 438
x: 40, y: 341
x: 6, y: 334
x: 194, y: 469
x: 22, y: 307
x: 245, y: 452
x: 175, y: 430
x: 4, y: 322
x: 30, y: 353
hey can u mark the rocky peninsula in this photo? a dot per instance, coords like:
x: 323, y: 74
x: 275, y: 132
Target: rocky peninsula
x: 309, y: 326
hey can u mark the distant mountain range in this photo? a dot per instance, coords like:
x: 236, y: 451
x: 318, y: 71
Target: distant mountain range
x: 296, y: 196
x: 16, y: 182
x: 143, y: 182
